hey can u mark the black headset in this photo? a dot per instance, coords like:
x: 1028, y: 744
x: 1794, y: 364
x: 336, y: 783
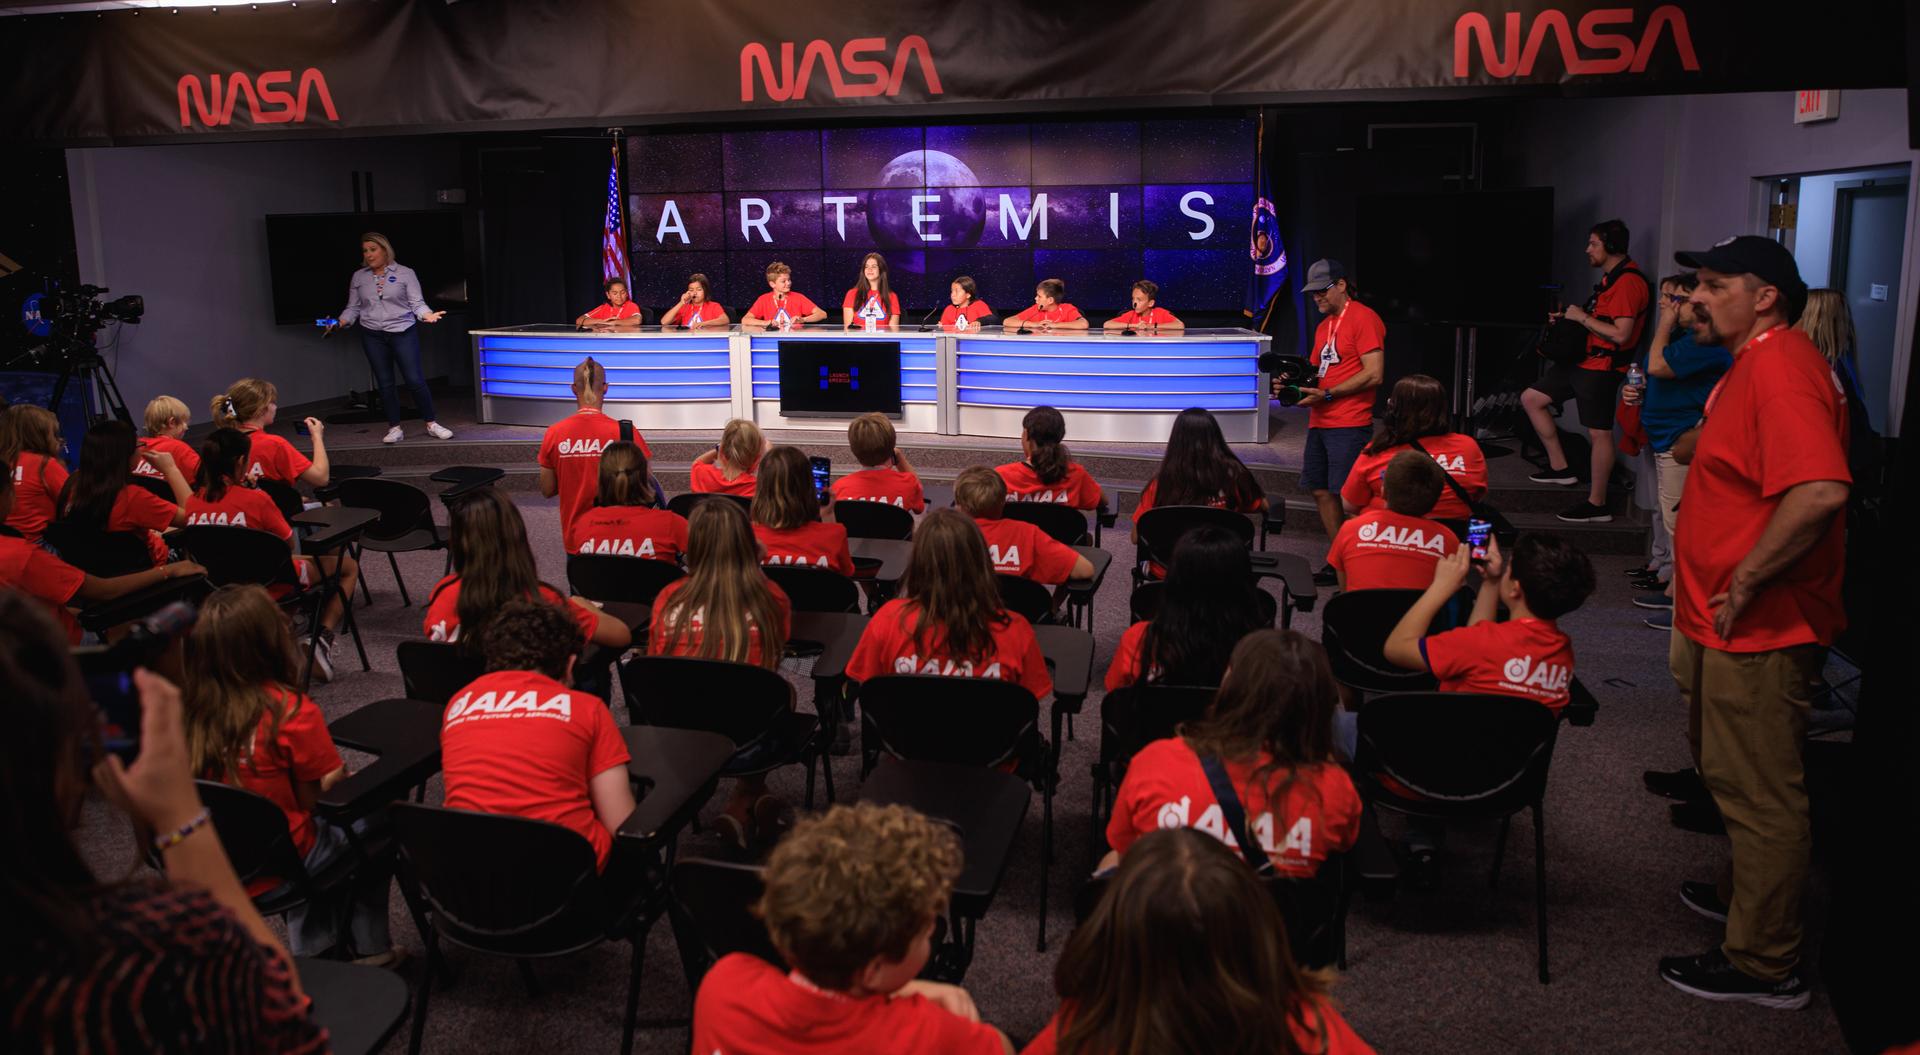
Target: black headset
x: 1613, y: 237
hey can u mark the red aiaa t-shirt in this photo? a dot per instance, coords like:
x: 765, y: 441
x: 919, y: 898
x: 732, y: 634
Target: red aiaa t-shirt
x: 274, y: 457
x: 816, y: 544
x: 1382, y: 550
x: 1338, y: 344
x: 1317, y: 1029
x: 627, y: 310
x: 443, y: 611
x: 37, y: 480
x: 300, y: 750
x: 184, y: 456
x: 887, y: 648
x: 239, y: 506
x: 137, y: 509
x: 690, y: 644
x: 1155, y: 316
x: 519, y: 743
x: 43, y: 576
x: 1316, y: 815
x: 629, y: 531
x: 798, y: 307
x: 1529, y: 658
x: 856, y: 298
x: 707, y: 478
x: 1076, y: 489
x: 747, y: 1006
x: 895, y: 488
x: 1057, y: 313
x: 571, y: 448
x: 694, y: 314
x: 973, y: 313
x: 1019, y: 548
x: 1458, y: 454
x: 1125, y: 668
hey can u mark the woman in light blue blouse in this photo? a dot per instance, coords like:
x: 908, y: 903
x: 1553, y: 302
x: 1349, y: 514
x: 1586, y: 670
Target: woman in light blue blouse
x: 385, y: 299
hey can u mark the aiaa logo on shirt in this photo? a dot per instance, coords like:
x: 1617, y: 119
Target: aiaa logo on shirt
x: 509, y: 704
x: 217, y: 519
x: 584, y: 447
x: 268, y: 100
x: 1617, y: 52
x: 910, y: 664
x: 1522, y: 671
x: 1008, y: 559
x: 851, y: 76
x: 1407, y: 538
x: 620, y: 547
x: 1055, y: 497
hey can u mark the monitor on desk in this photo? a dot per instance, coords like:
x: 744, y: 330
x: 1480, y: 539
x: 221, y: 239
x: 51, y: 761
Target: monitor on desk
x: 839, y: 379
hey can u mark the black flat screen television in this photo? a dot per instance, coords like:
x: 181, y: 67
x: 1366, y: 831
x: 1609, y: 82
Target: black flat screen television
x: 311, y: 258
x: 1460, y: 257
x: 831, y: 379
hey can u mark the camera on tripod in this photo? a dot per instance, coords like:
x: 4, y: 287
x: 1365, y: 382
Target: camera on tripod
x: 69, y: 318
x: 1288, y: 374
x: 80, y: 311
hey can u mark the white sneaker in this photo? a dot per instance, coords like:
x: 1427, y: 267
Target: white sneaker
x: 439, y: 431
x: 322, y: 656
x: 394, y: 435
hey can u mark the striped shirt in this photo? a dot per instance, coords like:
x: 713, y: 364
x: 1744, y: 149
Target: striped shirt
x: 390, y: 302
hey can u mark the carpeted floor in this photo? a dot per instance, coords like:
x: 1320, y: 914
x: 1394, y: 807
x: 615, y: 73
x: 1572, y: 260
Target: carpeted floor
x: 1447, y: 971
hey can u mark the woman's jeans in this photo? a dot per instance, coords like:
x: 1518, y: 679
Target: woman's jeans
x: 353, y: 915
x: 385, y: 353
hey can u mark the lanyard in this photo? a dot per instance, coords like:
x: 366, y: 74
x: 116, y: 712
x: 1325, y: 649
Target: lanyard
x: 1752, y: 346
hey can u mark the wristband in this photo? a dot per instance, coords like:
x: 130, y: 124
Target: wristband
x: 163, y: 843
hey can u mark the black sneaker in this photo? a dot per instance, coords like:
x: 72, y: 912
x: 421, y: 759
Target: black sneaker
x: 1699, y: 816
x: 1704, y: 899
x: 1655, y: 601
x: 1683, y: 785
x: 1663, y: 621
x: 1641, y: 573
x: 1564, y: 477
x: 1422, y: 869
x: 1326, y: 576
x: 1650, y: 584
x: 1586, y: 513
x: 1710, y: 977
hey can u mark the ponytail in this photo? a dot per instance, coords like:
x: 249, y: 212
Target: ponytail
x: 623, y: 476
x: 221, y: 455
x: 1045, y: 428
x: 243, y: 401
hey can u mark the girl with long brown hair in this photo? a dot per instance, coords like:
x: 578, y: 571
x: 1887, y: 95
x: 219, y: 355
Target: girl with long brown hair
x: 1187, y: 952
x: 493, y: 564
x: 248, y: 726
x: 728, y: 468
x: 1199, y: 469
x: 1417, y: 415
x: 30, y: 445
x: 786, y: 516
x: 101, y: 494
x: 626, y: 519
x: 872, y: 296
x: 950, y: 620
x: 251, y: 405
x: 1270, y: 728
x: 1047, y: 472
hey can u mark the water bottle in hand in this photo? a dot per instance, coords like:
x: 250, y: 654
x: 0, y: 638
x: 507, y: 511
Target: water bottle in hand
x: 1636, y: 386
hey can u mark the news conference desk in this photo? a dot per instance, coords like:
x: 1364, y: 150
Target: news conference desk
x: 955, y: 383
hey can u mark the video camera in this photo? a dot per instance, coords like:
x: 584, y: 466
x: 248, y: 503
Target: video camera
x: 82, y: 311
x: 108, y: 672
x: 1289, y: 373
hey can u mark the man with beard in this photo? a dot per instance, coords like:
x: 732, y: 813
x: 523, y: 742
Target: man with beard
x: 1757, y: 569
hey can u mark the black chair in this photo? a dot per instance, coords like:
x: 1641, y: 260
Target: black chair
x: 156, y: 484
x: 1130, y: 719
x: 635, y: 580
x: 518, y: 888
x: 105, y: 554
x: 1064, y: 524
x: 254, y: 833
x: 712, y: 915
x: 242, y: 555
x: 359, y: 1007
x: 1029, y: 598
x: 1354, y: 630
x: 289, y: 501
x: 815, y: 589
x: 980, y: 722
x: 682, y: 504
x: 751, y: 706
x: 1162, y: 527
x: 433, y: 671
x: 873, y: 519
x: 1448, y: 756
x: 1144, y: 601
x: 405, y: 525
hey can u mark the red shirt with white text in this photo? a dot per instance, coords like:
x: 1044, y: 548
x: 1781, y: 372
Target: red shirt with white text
x: 1458, y: 454
x: 887, y: 647
x: 1338, y: 343
x: 1382, y: 550
x: 184, y: 456
x: 443, y: 611
x: 274, y: 457
x: 815, y: 544
x: 570, y: 449
x: 1019, y: 548
x: 1059, y: 313
x: 1076, y: 488
x: 747, y: 1006
x: 1528, y: 658
x: 882, y: 484
x: 37, y: 480
x: 629, y: 531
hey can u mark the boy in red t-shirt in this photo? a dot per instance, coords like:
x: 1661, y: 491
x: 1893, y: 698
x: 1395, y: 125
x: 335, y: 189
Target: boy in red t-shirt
x: 780, y: 308
x: 1049, y: 312
x: 618, y: 313
x: 167, y: 420
x: 885, y: 474
x: 1146, y: 316
x: 570, y: 450
x: 519, y: 741
x: 851, y: 898
x: 1395, y: 548
x: 1016, y: 547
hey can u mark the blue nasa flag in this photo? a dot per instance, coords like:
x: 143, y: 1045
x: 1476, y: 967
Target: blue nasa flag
x: 1269, y: 254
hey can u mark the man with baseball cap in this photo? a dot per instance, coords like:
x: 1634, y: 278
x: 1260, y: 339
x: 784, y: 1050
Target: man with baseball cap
x: 1348, y: 352
x: 1757, y: 567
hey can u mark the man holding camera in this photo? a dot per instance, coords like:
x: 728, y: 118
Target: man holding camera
x: 1350, y: 359
x: 1613, y: 320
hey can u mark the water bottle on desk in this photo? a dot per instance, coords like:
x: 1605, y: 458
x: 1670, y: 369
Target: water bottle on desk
x: 1636, y: 387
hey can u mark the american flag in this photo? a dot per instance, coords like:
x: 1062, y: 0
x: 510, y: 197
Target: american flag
x: 613, y: 247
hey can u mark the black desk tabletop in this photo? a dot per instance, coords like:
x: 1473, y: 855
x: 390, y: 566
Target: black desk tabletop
x: 635, y: 615
x: 986, y: 805
x: 892, y: 554
x: 1071, y: 651
x: 404, y: 735
x: 1292, y: 569
x: 835, y: 632
x: 332, y: 525
x: 677, y: 769
x: 464, y: 478
x: 1101, y: 560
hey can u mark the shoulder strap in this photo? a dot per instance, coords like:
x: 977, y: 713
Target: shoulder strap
x: 1458, y: 491
x: 626, y: 430
x: 1234, y: 814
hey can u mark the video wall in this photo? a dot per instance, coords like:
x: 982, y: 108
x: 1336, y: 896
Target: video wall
x: 1098, y: 204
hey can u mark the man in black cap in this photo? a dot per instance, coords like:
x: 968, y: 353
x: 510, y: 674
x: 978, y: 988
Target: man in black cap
x: 1348, y: 353
x: 1757, y: 566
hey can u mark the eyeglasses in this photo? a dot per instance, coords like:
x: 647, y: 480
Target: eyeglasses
x: 1677, y: 298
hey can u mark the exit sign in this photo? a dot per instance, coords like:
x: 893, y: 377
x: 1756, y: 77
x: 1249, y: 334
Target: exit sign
x: 1817, y: 105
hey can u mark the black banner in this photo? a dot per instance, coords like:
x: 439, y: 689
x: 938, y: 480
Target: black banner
x: 395, y: 66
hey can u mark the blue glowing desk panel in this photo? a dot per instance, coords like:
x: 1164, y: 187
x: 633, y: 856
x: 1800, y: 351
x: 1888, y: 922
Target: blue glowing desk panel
x: 672, y: 379
x: 1110, y: 387
x: 921, y: 391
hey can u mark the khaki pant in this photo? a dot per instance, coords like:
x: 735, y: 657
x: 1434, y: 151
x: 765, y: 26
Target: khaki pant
x: 1670, y: 478
x: 1747, y: 719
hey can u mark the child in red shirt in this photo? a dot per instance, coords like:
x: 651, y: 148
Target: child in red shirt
x: 1145, y: 315
x: 695, y: 307
x: 851, y: 898
x: 248, y: 727
x: 1418, y: 418
x: 618, y: 313
x: 624, y: 521
x: 1208, y: 604
x: 519, y: 741
x: 1016, y: 547
x: 786, y: 516
x: 886, y: 475
x: 101, y: 496
x: 570, y: 449
x: 250, y: 406
x: 1049, y: 473
x: 30, y: 443
x: 872, y: 297
x: 1228, y: 982
x: 951, y: 621
x: 966, y: 310
x: 728, y: 468
x: 493, y: 564
x: 1395, y: 548
x: 780, y: 307
x: 1049, y: 311
x: 167, y: 419
x: 1528, y: 655
x: 1270, y: 727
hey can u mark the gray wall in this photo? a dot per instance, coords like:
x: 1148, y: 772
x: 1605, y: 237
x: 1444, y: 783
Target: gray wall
x: 183, y: 226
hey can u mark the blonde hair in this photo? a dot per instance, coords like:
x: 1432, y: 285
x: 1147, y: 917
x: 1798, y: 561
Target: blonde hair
x: 1829, y: 322
x: 783, y: 495
x: 777, y: 268
x: 239, y: 666
x: 741, y: 444
x: 380, y: 240
x: 243, y: 401
x: 724, y: 590
x: 855, y: 883
x: 872, y: 438
x: 623, y: 476
x: 980, y: 491
x: 162, y: 411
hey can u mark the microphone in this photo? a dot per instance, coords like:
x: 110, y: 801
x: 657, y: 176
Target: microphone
x: 924, y: 318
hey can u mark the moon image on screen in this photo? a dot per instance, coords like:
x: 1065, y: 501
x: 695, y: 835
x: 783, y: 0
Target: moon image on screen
x: 962, y: 208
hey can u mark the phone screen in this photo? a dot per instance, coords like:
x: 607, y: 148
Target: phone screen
x: 822, y: 477
x: 116, y: 700
x: 1478, y: 532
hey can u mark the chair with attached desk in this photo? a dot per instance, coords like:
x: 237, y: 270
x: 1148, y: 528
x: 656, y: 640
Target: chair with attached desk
x: 359, y: 1006
x: 1131, y: 718
x: 983, y: 723
x: 285, y: 496
x: 750, y: 706
x: 254, y: 833
x: 1354, y: 630
x: 712, y: 915
x: 1025, y: 596
x: 864, y: 519
x: 405, y: 525
x: 1063, y: 524
x: 681, y: 505
x: 108, y: 554
x: 157, y: 485
x: 1144, y: 601
x: 238, y: 555
x: 812, y: 589
x: 433, y: 671
x: 1447, y: 756
x: 635, y: 580
x: 1162, y: 527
